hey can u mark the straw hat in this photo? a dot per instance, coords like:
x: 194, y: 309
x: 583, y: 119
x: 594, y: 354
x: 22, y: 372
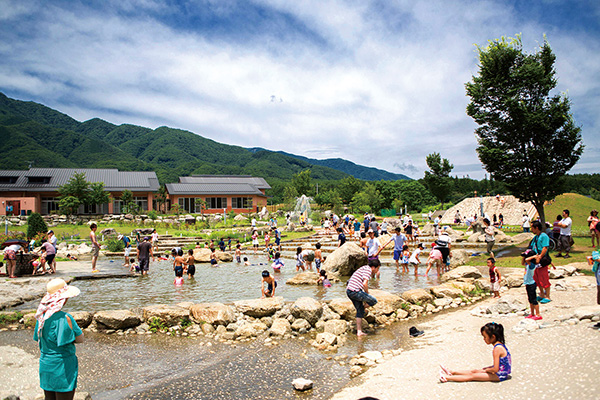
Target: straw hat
x: 56, y: 284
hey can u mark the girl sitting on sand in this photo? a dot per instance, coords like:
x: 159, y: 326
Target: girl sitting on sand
x: 493, y: 334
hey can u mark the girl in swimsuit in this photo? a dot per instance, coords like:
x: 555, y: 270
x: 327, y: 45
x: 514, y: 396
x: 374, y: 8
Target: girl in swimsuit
x: 493, y: 334
x: 178, y: 261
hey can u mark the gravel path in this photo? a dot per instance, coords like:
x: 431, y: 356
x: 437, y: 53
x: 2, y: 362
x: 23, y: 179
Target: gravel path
x: 556, y: 362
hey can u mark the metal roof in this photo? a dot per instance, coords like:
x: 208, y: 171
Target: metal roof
x: 259, y: 183
x: 213, y: 189
x: 113, y: 179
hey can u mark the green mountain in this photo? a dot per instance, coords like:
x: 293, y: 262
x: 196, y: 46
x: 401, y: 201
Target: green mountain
x: 357, y: 171
x: 42, y: 137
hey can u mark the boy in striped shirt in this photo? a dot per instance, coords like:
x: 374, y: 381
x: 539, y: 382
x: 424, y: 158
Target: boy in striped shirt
x: 357, y: 290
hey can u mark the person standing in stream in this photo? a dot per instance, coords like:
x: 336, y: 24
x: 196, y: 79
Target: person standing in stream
x: 144, y: 253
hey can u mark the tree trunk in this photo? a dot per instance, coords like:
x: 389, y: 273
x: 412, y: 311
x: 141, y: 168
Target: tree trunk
x: 539, y: 206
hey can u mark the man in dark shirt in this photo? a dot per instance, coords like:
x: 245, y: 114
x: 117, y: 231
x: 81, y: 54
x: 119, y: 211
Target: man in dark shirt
x: 143, y: 255
x: 341, y: 237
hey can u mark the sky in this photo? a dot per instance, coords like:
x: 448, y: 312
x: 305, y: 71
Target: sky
x: 379, y: 83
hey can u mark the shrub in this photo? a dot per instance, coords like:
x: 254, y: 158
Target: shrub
x: 152, y: 214
x: 114, y: 245
x: 156, y: 324
x: 35, y: 225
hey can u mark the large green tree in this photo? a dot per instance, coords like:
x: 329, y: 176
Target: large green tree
x: 527, y: 136
x: 438, y: 179
x: 302, y: 182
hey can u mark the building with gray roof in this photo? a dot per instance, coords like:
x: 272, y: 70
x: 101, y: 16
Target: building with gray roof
x: 36, y: 189
x: 240, y: 193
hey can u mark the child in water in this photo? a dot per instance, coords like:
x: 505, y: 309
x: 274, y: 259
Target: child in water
x: 299, y: 259
x: 268, y: 285
x: 270, y: 252
x: 246, y: 262
x: 277, y: 264
x: 238, y: 253
x: 493, y: 334
x: 178, y: 277
x: 405, y: 258
x: 178, y: 261
x: 133, y: 266
x: 191, y: 264
x: 323, y: 279
x: 213, y: 258
x: 318, y: 257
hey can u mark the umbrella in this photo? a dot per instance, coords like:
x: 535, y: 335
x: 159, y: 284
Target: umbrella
x: 10, y: 242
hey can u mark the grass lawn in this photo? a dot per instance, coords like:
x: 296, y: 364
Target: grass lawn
x: 579, y: 206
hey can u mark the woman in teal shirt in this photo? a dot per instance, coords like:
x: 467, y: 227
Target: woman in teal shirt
x: 57, y: 332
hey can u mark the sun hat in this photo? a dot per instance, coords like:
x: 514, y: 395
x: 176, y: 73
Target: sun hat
x: 50, y: 231
x: 58, y: 284
x: 370, y: 231
x: 414, y: 332
x: 119, y: 237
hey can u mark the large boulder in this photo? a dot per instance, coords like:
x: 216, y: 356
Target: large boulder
x: 417, y: 296
x: 280, y: 327
x: 117, y: 319
x: 587, y: 312
x: 557, y: 273
x: 507, y: 304
x: 304, y: 278
x: 467, y: 285
x: 459, y: 257
x: 83, y: 318
x: 513, y: 280
x: 462, y: 272
x: 260, y: 307
x: 522, y: 237
x: 445, y: 291
x: 336, y: 326
x: 168, y: 314
x: 387, y: 302
x: 213, y: 313
x: 109, y: 233
x: 307, y: 308
x: 344, y: 308
x: 203, y: 255
x: 345, y: 260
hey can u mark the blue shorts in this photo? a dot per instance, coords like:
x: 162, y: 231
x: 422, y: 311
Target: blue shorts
x: 318, y: 264
x: 358, y: 298
x: 277, y: 241
x: 598, y: 277
x: 397, y: 254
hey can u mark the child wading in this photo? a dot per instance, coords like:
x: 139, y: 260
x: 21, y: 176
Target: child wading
x: 268, y: 285
x: 493, y: 334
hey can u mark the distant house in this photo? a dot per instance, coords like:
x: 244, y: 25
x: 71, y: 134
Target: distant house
x: 36, y: 190
x: 240, y: 193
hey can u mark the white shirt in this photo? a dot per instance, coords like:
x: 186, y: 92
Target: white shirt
x: 444, y: 237
x: 413, y: 256
x: 566, y: 231
x: 253, y: 221
x: 526, y: 223
x: 373, y: 246
x: 14, y: 247
x: 436, y: 221
x: 53, y: 241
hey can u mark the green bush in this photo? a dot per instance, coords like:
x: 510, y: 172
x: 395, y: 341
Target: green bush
x: 35, y: 225
x: 152, y: 214
x: 114, y: 245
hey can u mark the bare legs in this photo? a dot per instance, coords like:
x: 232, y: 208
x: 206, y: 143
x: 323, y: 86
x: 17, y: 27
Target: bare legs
x: 467, y: 376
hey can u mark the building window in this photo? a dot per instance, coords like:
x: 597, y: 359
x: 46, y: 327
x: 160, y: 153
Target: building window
x: 187, y: 204
x: 216, y: 202
x: 117, y: 206
x: 241, y: 202
x: 49, y: 204
x: 8, y: 179
x: 38, y: 179
x: 141, y: 202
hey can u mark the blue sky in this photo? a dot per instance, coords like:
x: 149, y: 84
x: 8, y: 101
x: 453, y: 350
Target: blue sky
x: 380, y: 83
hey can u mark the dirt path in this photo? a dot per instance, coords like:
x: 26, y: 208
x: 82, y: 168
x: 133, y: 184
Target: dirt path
x: 556, y: 362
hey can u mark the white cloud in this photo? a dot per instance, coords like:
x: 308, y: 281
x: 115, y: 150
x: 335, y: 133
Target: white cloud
x: 380, y: 88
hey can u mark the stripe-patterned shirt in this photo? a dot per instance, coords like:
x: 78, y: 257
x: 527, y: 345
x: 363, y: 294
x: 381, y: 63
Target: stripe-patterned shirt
x: 356, y: 281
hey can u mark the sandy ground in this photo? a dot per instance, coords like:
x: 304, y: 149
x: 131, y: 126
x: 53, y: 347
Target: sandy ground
x: 556, y: 362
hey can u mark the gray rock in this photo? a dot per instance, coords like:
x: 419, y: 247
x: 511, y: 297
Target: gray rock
x: 213, y: 313
x: 345, y: 260
x: 260, y: 307
x: 326, y: 338
x: 417, y: 296
x: 299, y: 324
x: 344, y: 308
x: 280, y: 327
x: 336, y: 326
x: 507, y: 304
x: 169, y: 314
x: 462, y: 272
x: 445, y: 291
x: 587, y: 312
x: 387, y: 303
x: 83, y: 318
x: 308, y: 309
x: 117, y: 319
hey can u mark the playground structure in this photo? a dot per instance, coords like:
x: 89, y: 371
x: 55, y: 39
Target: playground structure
x: 509, y: 206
